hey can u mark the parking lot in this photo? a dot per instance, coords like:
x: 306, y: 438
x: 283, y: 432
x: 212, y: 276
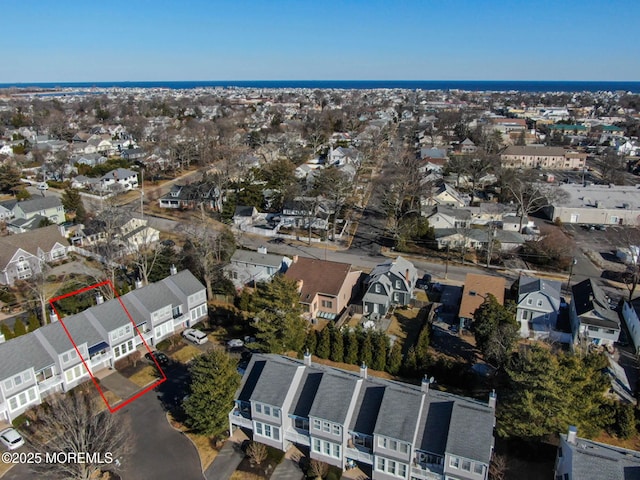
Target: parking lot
x: 603, y: 241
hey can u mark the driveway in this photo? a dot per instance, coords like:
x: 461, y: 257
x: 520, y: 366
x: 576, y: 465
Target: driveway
x: 119, y: 385
x: 226, y: 461
x: 287, y: 470
x: 158, y: 452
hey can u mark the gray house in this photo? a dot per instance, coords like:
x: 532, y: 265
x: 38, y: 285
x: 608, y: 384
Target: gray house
x: 592, y: 319
x: 390, y: 283
x: 582, y: 459
x: 49, y: 207
x: 538, y: 306
x: 45, y: 361
x: 248, y: 267
x: 347, y: 419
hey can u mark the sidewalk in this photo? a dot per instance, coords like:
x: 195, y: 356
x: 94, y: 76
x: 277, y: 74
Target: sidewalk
x: 228, y: 459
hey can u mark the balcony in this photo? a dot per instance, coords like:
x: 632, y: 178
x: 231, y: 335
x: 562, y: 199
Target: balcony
x: 237, y: 418
x: 358, y: 455
x: 295, y: 436
x: 427, y: 471
x: 49, y: 384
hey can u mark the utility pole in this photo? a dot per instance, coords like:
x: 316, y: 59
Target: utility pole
x: 142, y: 194
x: 446, y: 263
x: 573, y: 262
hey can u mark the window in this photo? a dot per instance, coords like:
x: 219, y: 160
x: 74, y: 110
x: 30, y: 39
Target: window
x: 267, y: 410
x: 326, y: 427
x: 592, y: 328
x: 466, y: 465
x: 478, y: 468
x: 610, y: 331
x: 45, y: 374
x: 258, y: 408
x: 376, y: 287
x: 454, y: 462
x: 391, y: 467
x: 398, y: 284
x: 176, y: 311
x: 268, y: 431
x: 316, y: 424
x: 404, y: 448
x: 74, y: 373
x: 327, y: 303
x: 337, y: 429
x: 529, y: 301
x: 326, y: 448
x: 539, y: 303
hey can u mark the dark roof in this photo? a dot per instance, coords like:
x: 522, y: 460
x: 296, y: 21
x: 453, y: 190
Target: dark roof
x: 434, y: 425
x: 470, y: 434
x: 307, y: 390
x: 398, y: 414
x: 273, y: 384
x: 243, y: 211
x: 39, y: 203
x: 592, y: 306
x: 333, y: 397
x: 597, y: 461
x: 367, y: 408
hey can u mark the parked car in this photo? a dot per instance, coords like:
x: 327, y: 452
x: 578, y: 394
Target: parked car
x: 43, y: 186
x: 235, y: 343
x: 11, y: 439
x: 162, y: 359
x: 195, y: 336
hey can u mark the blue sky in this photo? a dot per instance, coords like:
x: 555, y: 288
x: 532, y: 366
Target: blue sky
x: 138, y: 40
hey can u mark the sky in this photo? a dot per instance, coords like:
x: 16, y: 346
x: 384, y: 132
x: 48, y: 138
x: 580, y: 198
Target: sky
x: 163, y: 40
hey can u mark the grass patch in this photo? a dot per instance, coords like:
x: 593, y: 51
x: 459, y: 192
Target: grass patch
x: 145, y: 376
x: 186, y: 354
x: 238, y: 475
x: 351, y: 368
x: 406, y: 324
x: 205, y: 445
x: 632, y: 443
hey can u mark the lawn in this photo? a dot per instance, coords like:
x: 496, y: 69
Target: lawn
x: 406, y: 325
x: 185, y: 354
x: 145, y: 376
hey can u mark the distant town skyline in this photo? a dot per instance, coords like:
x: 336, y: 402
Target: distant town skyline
x: 73, y: 41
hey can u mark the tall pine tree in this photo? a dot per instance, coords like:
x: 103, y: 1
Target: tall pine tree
x: 337, y: 346
x: 323, y: 349
x: 351, y: 353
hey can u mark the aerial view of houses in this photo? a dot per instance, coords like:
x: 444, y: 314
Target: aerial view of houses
x: 327, y: 279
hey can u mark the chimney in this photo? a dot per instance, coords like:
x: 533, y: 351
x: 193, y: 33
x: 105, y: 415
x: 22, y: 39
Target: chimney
x: 572, y: 435
x: 426, y: 381
x: 262, y: 250
x: 53, y: 317
x: 138, y: 283
x: 99, y: 299
x: 307, y: 358
x: 492, y: 399
x: 406, y: 275
x: 295, y: 258
x: 363, y: 371
x: 172, y: 269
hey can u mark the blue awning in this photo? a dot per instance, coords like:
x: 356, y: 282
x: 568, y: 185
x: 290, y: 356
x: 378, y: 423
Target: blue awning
x: 98, y: 347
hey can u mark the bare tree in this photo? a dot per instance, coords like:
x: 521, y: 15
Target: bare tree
x: 498, y: 467
x: 318, y: 469
x: 257, y: 452
x: 73, y: 423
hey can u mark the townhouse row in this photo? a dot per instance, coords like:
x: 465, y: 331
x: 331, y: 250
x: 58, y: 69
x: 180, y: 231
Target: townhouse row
x: 45, y: 361
x: 349, y: 419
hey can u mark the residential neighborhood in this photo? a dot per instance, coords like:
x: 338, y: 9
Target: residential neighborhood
x: 332, y: 283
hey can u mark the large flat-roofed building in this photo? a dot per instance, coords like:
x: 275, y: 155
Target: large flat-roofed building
x: 395, y: 430
x: 533, y: 156
x: 596, y: 204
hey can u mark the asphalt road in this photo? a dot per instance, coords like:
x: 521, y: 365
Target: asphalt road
x: 158, y: 451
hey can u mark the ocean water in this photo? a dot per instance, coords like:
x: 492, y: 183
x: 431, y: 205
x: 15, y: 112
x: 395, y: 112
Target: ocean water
x: 470, y: 85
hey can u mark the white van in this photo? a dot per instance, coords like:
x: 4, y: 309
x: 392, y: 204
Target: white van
x: 43, y: 186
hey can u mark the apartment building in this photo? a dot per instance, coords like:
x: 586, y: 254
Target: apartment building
x: 533, y: 156
x: 45, y: 361
x: 345, y: 418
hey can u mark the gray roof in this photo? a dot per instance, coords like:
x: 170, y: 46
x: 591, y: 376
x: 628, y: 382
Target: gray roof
x: 255, y: 258
x: 398, y: 416
x: 156, y: 296
x: 367, y: 408
x: 185, y: 281
x: 273, y: 384
x: 592, y: 305
x: 79, y: 328
x: 434, y: 424
x: 303, y: 399
x: 21, y: 353
x: 38, y: 203
x: 459, y: 213
x: 596, y: 461
x: 551, y: 288
x: 120, y: 173
x: 471, y: 431
x: 333, y: 397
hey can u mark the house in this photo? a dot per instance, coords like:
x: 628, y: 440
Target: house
x: 444, y: 194
x: 132, y: 154
x: 300, y: 211
x: 244, y: 216
x: 442, y: 216
x: 343, y: 156
x: 476, y: 238
x: 592, y: 319
x: 192, y: 196
x: 248, y: 267
x: 583, y: 459
x: 135, y: 233
x: 632, y: 319
x: 49, y: 207
x: 538, y: 306
x: 91, y: 159
x: 118, y: 179
x: 45, y: 361
x: 325, y: 287
x: 349, y: 419
x: 532, y: 156
x: 22, y: 255
x: 467, y: 147
x: 477, y: 288
x: 596, y: 204
x: 389, y: 283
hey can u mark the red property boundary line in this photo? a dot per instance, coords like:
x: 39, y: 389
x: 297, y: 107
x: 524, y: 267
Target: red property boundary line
x: 126, y: 402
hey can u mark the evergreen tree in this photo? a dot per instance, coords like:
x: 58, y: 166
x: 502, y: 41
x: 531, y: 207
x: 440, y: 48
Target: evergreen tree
x: 539, y: 384
x: 410, y: 365
x: 395, y: 358
x: 278, y: 321
x: 496, y: 330
x: 165, y: 256
x: 19, y: 328
x: 366, y: 348
x: 351, y: 353
x: 214, y: 381
x: 380, y: 349
x: 323, y: 349
x: 6, y: 331
x: 72, y: 202
x: 34, y: 323
x: 337, y: 346
x: 311, y: 342
x: 422, y: 349
x: 625, y: 422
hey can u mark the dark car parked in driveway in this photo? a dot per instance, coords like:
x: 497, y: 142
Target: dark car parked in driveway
x: 162, y: 359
